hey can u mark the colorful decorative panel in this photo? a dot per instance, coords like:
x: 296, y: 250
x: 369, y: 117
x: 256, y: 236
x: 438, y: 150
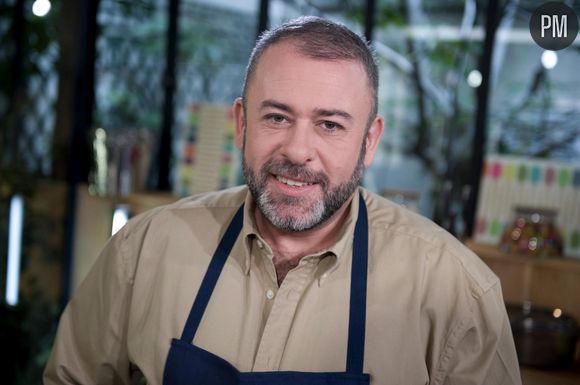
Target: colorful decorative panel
x: 208, y: 159
x: 512, y: 182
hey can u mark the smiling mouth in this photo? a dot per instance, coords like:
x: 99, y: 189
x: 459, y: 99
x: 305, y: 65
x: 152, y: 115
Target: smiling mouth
x: 292, y: 182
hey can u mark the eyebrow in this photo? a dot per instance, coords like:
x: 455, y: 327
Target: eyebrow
x: 269, y: 103
x: 322, y: 112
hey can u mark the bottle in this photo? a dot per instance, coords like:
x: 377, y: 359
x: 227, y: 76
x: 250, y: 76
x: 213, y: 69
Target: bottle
x: 533, y: 232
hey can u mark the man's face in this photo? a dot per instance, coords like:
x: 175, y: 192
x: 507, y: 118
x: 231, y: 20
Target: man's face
x: 303, y: 135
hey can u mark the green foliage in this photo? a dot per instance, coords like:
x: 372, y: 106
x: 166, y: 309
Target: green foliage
x: 389, y: 13
x: 132, y: 54
x: 37, y: 42
x: 39, y: 35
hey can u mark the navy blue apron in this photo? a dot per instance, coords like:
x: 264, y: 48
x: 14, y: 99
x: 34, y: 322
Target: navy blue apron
x: 191, y: 365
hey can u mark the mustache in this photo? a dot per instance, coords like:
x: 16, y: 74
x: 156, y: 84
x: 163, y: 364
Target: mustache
x: 293, y: 170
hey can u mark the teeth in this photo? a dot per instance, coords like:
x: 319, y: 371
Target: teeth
x: 291, y: 182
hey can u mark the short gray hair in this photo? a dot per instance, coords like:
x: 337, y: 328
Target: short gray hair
x: 323, y: 39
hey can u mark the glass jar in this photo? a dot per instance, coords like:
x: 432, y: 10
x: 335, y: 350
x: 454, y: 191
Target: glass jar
x: 533, y: 232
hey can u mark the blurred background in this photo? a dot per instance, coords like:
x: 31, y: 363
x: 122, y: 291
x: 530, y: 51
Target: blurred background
x: 111, y: 107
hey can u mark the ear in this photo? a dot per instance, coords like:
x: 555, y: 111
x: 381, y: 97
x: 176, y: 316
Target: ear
x: 239, y: 121
x: 373, y: 138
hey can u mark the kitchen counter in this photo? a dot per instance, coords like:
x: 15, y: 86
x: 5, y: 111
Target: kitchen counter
x: 549, y: 377
x: 548, y: 282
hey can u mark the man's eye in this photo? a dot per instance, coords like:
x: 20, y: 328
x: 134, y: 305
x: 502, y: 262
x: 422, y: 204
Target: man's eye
x: 331, y: 126
x: 276, y: 118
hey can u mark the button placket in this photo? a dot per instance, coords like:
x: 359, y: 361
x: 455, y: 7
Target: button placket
x: 279, y: 322
x: 264, y: 253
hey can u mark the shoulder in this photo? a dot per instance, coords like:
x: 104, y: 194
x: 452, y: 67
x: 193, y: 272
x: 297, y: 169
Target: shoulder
x: 195, y: 222
x: 200, y: 216
x: 413, y: 240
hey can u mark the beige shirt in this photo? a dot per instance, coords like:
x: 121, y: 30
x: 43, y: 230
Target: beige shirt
x: 435, y: 313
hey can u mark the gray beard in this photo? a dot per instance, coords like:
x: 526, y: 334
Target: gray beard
x: 319, y: 212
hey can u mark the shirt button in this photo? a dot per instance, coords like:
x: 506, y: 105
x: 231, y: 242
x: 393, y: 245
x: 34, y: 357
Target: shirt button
x: 260, y: 244
x: 269, y: 294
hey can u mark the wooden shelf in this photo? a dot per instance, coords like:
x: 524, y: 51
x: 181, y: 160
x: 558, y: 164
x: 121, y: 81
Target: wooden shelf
x: 550, y: 282
x: 490, y: 252
x: 138, y: 202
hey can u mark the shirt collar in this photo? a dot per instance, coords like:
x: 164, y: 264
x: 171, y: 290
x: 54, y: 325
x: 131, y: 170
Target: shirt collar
x: 249, y: 230
x: 343, y: 247
x: 336, y: 252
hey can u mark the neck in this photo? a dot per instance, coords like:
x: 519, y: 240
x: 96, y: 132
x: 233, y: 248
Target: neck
x: 289, y: 247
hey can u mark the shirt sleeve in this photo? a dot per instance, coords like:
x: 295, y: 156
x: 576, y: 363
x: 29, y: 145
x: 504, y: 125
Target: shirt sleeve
x: 90, y: 345
x: 481, y: 350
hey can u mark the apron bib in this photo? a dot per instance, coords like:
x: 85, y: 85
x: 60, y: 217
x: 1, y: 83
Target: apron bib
x: 188, y: 364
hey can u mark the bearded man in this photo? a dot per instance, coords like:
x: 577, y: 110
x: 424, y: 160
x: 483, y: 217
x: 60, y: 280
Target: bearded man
x: 300, y: 277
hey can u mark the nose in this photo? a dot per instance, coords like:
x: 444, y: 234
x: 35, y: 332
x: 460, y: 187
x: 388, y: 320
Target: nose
x: 298, y: 145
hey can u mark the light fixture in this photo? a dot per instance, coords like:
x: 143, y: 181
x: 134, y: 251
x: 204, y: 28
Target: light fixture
x: 41, y: 8
x: 14, y: 249
x: 120, y: 217
x: 474, y: 79
x: 549, y: 59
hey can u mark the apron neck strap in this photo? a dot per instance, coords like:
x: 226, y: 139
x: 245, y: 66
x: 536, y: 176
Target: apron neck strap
x: 358, y: 292
x: 212, y: 274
